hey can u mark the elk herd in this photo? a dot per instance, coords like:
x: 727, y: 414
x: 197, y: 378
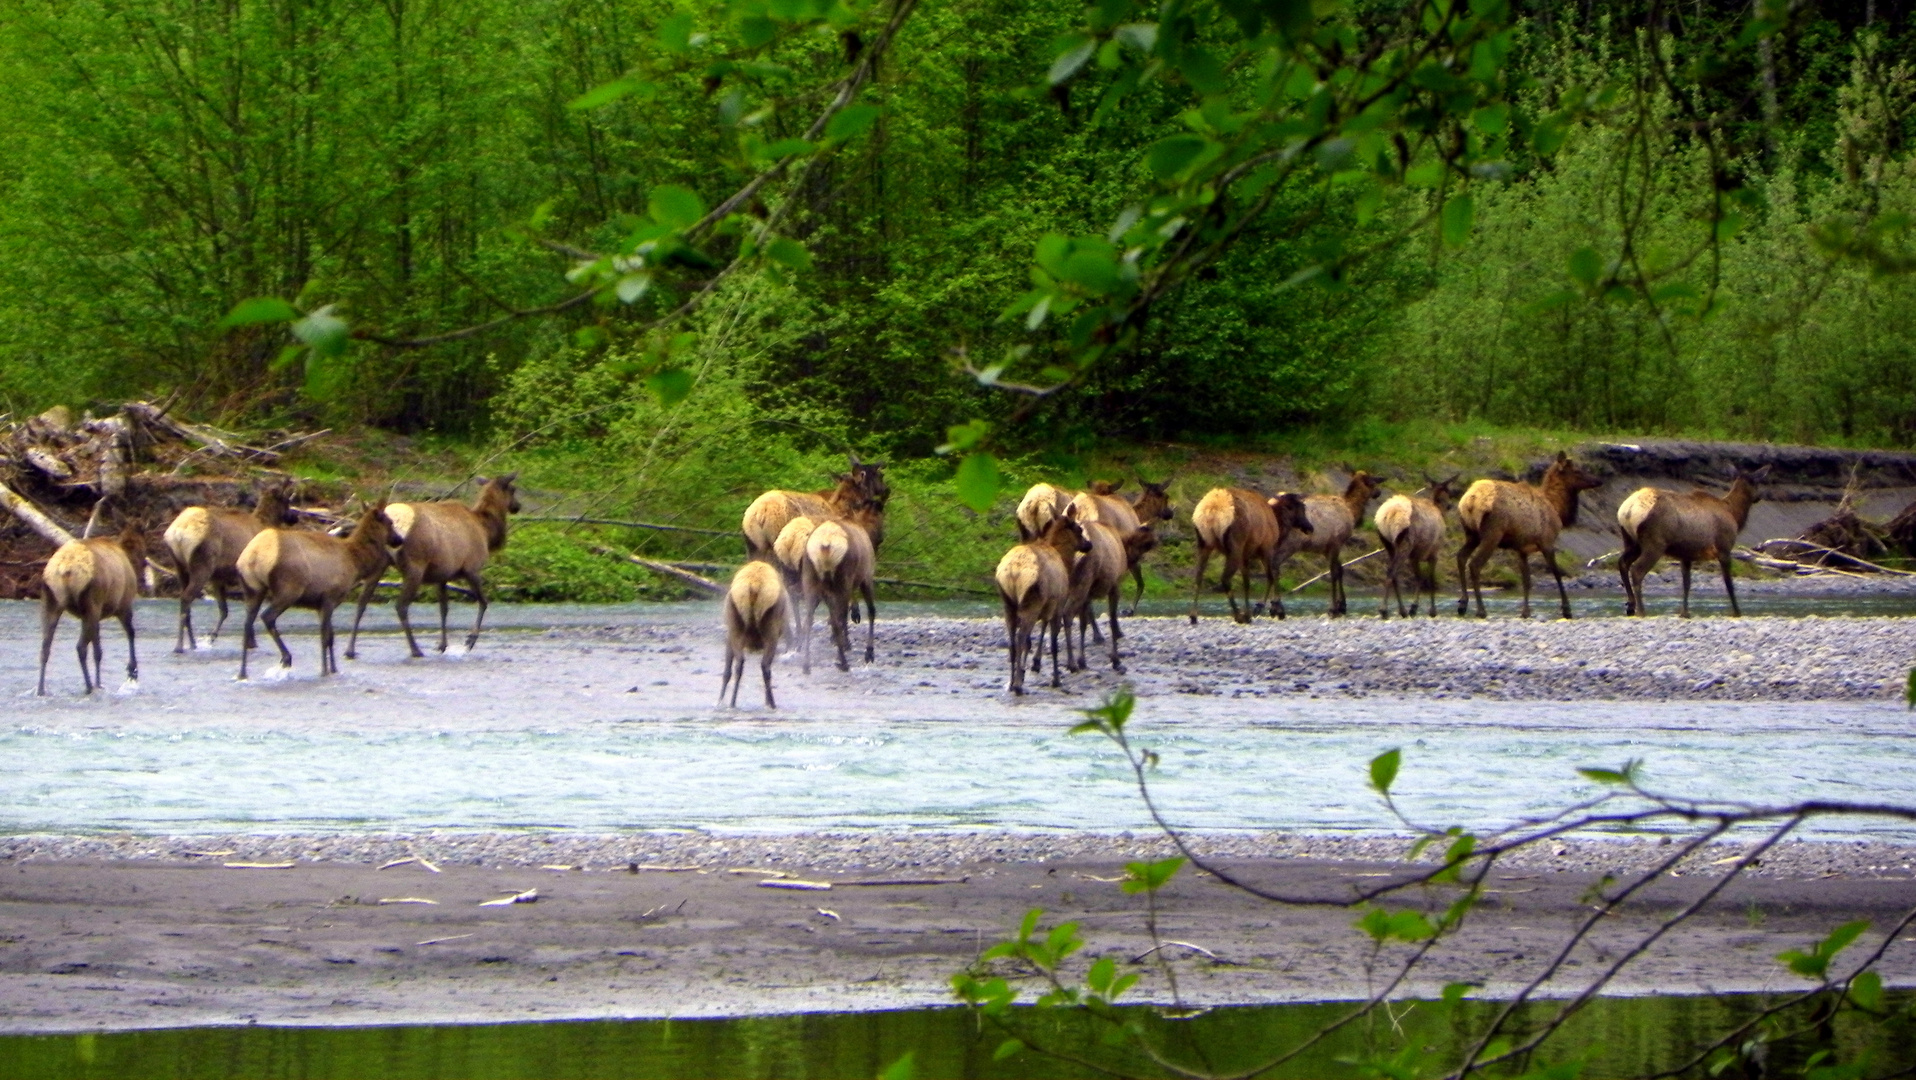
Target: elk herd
x: 1073, y: 553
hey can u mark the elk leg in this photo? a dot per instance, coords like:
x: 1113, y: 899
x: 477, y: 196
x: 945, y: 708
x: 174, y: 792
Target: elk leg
x: 132, y: 657
x: 359, y: 612
x: 248, y: 642
x: 1117, y: 593
x: 1337, y: 583
x: 271, y: 619
x: 183, y: 639
x: 1729, y: 586
x: 841, y: 628
x: 1632, y: 600
x: 85, y: 635
x: 1486, y: 547
x: 764, y: 669
x: 1197, y: 580
x: 1011, y: 644
x: 1563, y: 595
x: 1523, y: 574
x: 812, y: 597
x: 1463, y: 574
x: 1057, y: 677
x: 1234, y: 564
x: 871, y: 623
x: 402, y: 604
x: 1273, y: 591
x: 726, y: 682
x: 738, y: 668
x: 444, y: 607
x: 1430, y: 583
x: 1390, y: 578
x: 1137, y: 575
x: 1683, y: 612
x: 479, y: 594
x: 49, y: 621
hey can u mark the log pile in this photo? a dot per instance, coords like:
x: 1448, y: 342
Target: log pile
x: 61, y: 478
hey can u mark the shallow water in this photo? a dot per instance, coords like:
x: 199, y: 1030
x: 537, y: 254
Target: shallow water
x: 559, y: 730
x: 1614, y: 1037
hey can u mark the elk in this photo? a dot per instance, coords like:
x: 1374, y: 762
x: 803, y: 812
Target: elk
x: 438, y: 543
x: 1333, y: 519
x: 1042, y: 504
x: 1412, y: 531
x: 757, y: 608
x: 1247, y: 528
x: 1099, y: 574
x: 206, y: 543
x: 1686, y: 526
x: 840, y: 559
x: 281, y: 569
x: 1034, y: 581
x: 864, y: 485
x: 91, y: 580
x: 789, y: 550
x: 1153, y: 504
x: 1523, y: 518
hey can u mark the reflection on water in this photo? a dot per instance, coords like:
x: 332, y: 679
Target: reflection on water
x: 1614, y: 1037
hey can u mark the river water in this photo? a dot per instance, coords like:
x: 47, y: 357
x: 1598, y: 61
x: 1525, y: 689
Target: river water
x: 554, y: 724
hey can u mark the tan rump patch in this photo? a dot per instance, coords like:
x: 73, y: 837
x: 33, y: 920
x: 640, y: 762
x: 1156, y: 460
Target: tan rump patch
x: 756, y: 590
x: 1017, y: 573
x: 1476, y: 503
x: 402, y: 516
x: 257, y: 561
x: 1037, y: 508
x: 790, y: 545
x: 764, y: 519
x: 69, y: 571
x: 1086, y: 506
x: 1394, y: 517
x: 1634, y: 509
x: 187, y: 533
x: 827, y: 547
x: 1213, y: 515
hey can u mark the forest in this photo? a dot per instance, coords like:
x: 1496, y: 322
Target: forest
x: 397, y: 173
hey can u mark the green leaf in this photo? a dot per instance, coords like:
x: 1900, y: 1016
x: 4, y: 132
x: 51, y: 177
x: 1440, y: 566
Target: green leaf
x: 263, y: 309
x: 978, y: 481
x: 1492, y: 119
x: 286, y: 357
x: 1549, y: 136
x: 1150, y: 876
x: 324, y: 332
x: 588, y: 338
x: 905, y: 1068
x: 1140, y: 36
x: 675, y: 33
x: 756, y: 30
x: 1203, y: 71
x: 610, y: 92
x: 1866, y: 990
x: 1168, y: 157
x: 785, y: 148
x: 788, y: 252
x: 1585, y: 266
x: 671, y: 385
x: 1604, y: 776
x: 1457, y: 213
x: 1383, y: 770
x: 676, y: 206
x: 1072, y: 51
x: 851, y: 121
x: 1008, y: 1048
x: 633, y: 286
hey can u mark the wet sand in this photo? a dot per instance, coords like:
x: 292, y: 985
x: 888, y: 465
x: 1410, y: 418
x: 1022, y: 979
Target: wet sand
x: 173, y: 942
x: 130, y: 931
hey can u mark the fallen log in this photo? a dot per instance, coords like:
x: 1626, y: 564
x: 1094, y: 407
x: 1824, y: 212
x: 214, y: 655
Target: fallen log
x: 1828, y: 552
x: 654, y: 526
x: 666, y: 569
x: 33, y: 517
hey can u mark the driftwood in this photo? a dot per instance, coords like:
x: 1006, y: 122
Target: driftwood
x: 667, y: 569
x: 33, y: 517
x: 1306, y: 583
x: 1822, y: 553
x: 1790, y: 566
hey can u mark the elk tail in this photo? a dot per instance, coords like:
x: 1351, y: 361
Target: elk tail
x: 1214, y: 516
x: 186, y: 534
x: 69, y: 572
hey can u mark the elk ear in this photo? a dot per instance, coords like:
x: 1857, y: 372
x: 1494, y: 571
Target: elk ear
x: 854, y: 457
x: 509, y: 478
x: 1118, y: 483
x: 482, y: 481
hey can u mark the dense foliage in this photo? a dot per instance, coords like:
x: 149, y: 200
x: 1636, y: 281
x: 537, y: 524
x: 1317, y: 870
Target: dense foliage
x: 1537, y: 251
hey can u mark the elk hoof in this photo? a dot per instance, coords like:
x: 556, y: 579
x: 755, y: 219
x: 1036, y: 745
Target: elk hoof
x: 1194, y: 620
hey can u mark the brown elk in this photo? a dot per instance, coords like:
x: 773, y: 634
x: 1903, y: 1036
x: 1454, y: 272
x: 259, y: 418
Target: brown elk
x: 1412, y: 532
x: 864, y: 485
x: 1247, y: 528
x: 1034, y: 581
x: 1333, y: 519
x: 840, y: 559
x: 1153, y: 505
x: 283, y: 569
x: 1523, y: 518
x: 439, y: 543
x: 757, y: 608
x: 1042, y: 504
x: 788, y: 550
x: 92, y: 580
x: 1686, y: 526
x: 206, y: 543
x: 1098, y: 575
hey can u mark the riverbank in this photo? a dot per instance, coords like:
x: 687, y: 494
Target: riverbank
x: 178, y: 940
